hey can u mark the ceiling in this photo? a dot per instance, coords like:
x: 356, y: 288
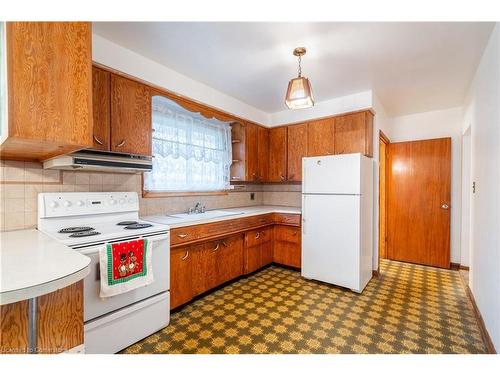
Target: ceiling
x: 411, y: 67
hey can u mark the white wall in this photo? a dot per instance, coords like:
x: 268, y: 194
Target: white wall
x: 117, y: 57
x: 483, y: 114
x: 466, y: 197
x: 437, y: 124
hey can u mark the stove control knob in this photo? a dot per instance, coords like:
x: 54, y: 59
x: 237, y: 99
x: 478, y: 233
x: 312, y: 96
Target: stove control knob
x: 112, y: 202
x: 131, y: 200
x: 121, y: 201
x: 80, y: 203
x: 53, y: 204
x: 67, y: 203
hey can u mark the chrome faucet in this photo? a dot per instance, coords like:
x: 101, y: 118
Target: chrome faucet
x: 197, y: 209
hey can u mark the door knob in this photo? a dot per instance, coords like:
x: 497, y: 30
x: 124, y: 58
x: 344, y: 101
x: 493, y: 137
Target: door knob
x: 445, y: 206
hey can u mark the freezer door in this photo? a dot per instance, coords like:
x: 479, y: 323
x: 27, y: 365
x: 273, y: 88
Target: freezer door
x: 331, y: 239
x: 337, y: 174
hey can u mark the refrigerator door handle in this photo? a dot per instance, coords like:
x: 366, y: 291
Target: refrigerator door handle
x: 303, y: 214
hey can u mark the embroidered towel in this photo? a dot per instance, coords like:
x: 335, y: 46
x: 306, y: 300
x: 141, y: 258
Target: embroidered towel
x: 125, y: 266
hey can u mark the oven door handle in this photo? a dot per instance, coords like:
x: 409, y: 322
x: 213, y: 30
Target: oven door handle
x: 96, y: 248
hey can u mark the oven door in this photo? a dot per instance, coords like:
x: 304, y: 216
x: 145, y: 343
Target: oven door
x: 96, y: 306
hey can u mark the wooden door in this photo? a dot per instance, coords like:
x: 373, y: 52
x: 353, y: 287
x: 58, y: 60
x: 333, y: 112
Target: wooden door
x: 101, y: 98
x: 251, y: 152
x: 418, y: 202
x: 320, y: 137
x: 296, y: 150
x: 266, y: 236
x: 382, y: 201
x: 131, y: 126
x: 277, y: 154
x: 354, y: 133
x: 253, y: 253
x: 230, y: 258
x: 262, y: 153
x: 181, y: 288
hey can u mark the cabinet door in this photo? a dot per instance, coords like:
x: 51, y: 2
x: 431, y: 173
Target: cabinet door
x: 287, y: 245
x: 230, y: 258
x: 205, y: 266
x: 296, y: 150
x: 251, y: 152
x: 49, y: 88
x: 253, y: 253
x: 101, y: 97
x: 181, y: 288
x: 320, y: 137
x: 266, y: 235
x: 262, y: 153
x: 131, y: 127
x: 277, y: 154
x: 353, y: 133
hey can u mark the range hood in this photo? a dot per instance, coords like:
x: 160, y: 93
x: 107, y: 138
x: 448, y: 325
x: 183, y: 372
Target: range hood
x: 100, y: 161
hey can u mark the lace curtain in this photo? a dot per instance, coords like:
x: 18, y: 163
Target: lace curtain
x: 191, y: 152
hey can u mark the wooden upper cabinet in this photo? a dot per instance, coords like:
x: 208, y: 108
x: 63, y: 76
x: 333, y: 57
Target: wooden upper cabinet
x: 277, y: 154
x: 296, y: 150
x: 251, y: 152
x: 354, y: 133
x: 101, y: 99
x: 320, y: 137
x: 131, y: 125
x: 49, y: 89
x: 262, y: 153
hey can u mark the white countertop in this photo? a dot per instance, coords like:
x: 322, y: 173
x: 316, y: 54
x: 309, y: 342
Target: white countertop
x: 239, y: 212
x: 33, y: 264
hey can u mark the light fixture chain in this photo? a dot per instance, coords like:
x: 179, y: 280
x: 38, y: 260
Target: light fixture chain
x: 300, y: 68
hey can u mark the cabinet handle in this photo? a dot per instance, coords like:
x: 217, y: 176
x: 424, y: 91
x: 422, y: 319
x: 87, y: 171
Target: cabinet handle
x: 97, y: 140
x: 216, y: 247
x: 121, y: 143
x: 224, y: 243
x: 294, y: 233
x: 291, y: 176
x: 182, y: 235
x: 257, y: 235
x: 186, y: 255
x: 282, y: 178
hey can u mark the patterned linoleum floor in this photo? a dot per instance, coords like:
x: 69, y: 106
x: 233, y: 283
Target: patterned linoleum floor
x: 409, y: 309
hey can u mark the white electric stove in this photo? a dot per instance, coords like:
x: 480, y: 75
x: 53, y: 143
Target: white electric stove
x: 85, y: 222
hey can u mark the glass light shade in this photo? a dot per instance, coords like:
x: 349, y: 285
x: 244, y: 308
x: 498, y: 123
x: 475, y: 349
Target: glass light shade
x: 299, y: 94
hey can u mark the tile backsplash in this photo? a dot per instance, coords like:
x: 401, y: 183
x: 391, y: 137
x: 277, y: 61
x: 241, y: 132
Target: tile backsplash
x: 20, y: 183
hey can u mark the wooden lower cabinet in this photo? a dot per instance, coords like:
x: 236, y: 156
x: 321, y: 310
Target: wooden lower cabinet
x: 287, y: 245
x: 208, y: 263
x: 60, y: 322
x: 198, y: 268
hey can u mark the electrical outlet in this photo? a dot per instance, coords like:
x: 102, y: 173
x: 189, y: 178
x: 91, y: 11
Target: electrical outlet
x: 252, y: 196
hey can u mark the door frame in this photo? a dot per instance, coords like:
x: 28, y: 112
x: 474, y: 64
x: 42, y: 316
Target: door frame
x: 382, y: 190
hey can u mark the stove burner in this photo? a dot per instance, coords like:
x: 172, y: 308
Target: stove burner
x: 75, y: 229
x: 138, y: 226
x: 85, y: 234
x: 128, y: 222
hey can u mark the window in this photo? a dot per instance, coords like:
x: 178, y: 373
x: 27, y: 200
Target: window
x: 191, y: 153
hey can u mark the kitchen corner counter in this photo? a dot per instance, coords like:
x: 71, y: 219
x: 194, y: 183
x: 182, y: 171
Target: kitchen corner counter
x: 239, y: 212
x: 33, y: 264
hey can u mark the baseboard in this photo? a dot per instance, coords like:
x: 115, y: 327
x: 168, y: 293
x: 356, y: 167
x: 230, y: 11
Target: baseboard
x: 375, y: 273
x: 458, y: 266
x: 484, y: 332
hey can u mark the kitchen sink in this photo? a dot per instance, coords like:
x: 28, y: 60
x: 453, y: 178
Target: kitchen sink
x: 206, y: 215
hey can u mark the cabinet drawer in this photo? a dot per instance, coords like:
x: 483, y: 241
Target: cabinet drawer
x: 286, y: 233
x: 291, y: 219
x: 184, y: 235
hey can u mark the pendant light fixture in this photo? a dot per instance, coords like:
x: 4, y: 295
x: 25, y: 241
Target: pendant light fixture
x: 299, y: 94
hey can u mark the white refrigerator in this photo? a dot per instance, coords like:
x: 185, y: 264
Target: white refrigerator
x: 337, y: 220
